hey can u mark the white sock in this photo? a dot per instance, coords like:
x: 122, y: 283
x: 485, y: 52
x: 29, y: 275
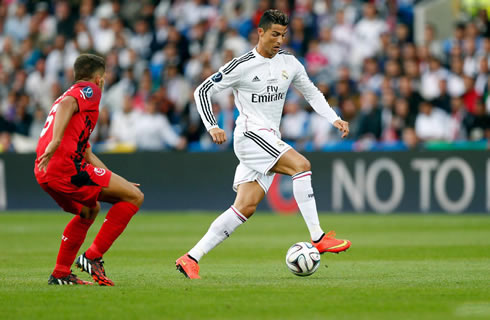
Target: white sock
x: 220, y: 229
x: 303, y: 193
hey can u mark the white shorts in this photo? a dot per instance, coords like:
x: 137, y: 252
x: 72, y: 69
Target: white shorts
x: 258, y: 151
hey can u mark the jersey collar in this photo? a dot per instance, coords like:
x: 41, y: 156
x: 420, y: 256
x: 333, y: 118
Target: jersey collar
x: 261, y: 57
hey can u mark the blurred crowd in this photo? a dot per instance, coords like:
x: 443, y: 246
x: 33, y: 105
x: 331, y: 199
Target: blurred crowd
x: 361, y: 55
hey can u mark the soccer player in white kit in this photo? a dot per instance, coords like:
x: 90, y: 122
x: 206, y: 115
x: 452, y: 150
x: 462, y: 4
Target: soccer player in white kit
x: 260, y: 80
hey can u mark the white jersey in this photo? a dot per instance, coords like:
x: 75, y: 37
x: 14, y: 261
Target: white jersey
x: 260, y: 85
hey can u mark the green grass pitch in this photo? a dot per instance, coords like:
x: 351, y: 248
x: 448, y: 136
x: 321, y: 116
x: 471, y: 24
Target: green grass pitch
x: 399, y: 267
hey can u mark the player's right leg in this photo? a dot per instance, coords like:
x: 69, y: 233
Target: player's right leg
x: 73, y: 235
x: 126, y: 199
x: 248, y: 197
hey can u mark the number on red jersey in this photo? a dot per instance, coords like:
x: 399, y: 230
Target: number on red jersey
x: 49, y: 120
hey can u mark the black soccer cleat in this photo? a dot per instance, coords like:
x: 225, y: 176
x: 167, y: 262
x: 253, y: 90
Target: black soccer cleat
x: 71, y: 279
x: 95, y: 268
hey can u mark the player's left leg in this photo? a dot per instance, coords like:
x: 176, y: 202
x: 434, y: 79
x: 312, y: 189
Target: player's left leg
x: 248, y: 197
x: 126, y: 199
x: 298, y: 167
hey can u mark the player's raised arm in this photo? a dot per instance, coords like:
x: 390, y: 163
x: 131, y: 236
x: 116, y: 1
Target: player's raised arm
x: 316, y: 99
x: 228, y: 76
x: 62, y: 114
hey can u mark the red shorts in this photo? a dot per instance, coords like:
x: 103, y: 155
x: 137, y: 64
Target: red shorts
x: 82, y: 189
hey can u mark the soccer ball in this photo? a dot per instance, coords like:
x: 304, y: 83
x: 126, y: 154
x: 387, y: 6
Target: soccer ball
x: 303, y: 259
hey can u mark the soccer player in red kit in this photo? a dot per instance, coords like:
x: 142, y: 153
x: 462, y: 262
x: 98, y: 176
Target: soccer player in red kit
x: 68, y: 170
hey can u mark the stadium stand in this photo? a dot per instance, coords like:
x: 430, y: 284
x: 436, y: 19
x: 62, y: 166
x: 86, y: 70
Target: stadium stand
x: 396, y: 94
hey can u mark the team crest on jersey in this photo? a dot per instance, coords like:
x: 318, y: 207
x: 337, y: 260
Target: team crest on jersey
x: 217, y: 77
x: 99, y: 171
x: 87, y: 92
x: 284, y: 75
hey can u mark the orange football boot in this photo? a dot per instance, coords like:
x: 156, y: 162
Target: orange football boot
x: 329, y: 244
x: 188, y: 267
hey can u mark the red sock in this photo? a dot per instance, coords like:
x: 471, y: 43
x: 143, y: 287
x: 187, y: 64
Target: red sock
x: 114, y: 224
x: 73, y: 237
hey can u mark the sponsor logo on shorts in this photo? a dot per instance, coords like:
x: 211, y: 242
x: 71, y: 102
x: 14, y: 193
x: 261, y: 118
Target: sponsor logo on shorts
x: 99, y: 171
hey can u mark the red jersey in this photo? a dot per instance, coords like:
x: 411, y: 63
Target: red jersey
x: 68, y: 159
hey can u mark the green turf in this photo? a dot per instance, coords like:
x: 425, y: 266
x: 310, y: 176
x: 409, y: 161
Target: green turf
x: 399, y: 267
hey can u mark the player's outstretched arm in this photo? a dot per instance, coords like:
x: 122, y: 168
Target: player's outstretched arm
x: 65, y: 110
x: 317, y: 100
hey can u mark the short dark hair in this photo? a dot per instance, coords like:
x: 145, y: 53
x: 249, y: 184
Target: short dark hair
x: 87, y: 65
x: 271, y: 17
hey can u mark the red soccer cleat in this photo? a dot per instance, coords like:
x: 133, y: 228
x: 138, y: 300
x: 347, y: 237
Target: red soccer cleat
x: 95, y: 268
x: 329, y: 244
x: 188, y: 267
x: 70, y: 279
